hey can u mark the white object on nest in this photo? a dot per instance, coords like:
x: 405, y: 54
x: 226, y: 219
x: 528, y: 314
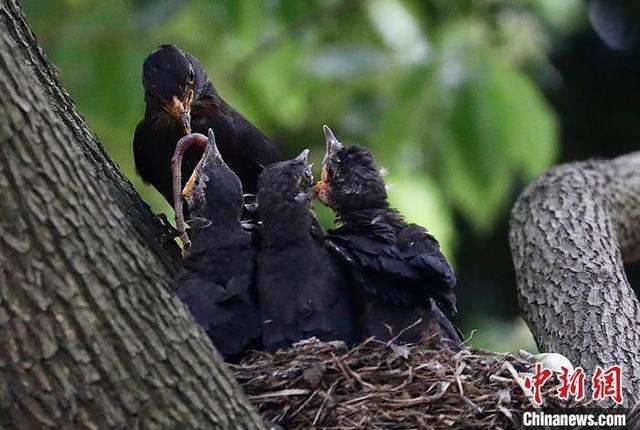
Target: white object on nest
x: 550, y: 360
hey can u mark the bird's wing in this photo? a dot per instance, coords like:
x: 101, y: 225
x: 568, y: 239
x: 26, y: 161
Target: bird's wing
x: 228, y: 313
x: 422, y: 252
x: 141, y: 138
x: 152, y: 154
x: 375, y: 265
x: 258, y: 150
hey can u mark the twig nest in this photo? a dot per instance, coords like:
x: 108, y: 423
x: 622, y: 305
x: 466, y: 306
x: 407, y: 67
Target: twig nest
x: 380, y: 385
x: 550, y: 360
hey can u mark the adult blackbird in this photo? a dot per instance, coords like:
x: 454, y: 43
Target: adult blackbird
x: 398, y: 270
x: 216, y: 281
x: 302, y: 292
x: 180, y: 99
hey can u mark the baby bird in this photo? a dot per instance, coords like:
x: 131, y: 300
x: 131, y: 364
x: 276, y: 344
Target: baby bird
x: 216, y: 281
x: 402, y: 281
x: 302, y: 292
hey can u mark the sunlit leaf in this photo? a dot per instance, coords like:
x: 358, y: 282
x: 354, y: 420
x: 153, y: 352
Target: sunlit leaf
x: 562, y: 14
x: 399, y: 29
x: 528, y: 125
x: 346, y: 61
x: 405, y: 122
x: 499, y: 126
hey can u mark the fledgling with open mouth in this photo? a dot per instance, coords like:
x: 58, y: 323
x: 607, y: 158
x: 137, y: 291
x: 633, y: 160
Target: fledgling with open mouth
x: 400, y: 278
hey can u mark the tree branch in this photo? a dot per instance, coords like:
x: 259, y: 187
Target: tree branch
x: 571, y: 229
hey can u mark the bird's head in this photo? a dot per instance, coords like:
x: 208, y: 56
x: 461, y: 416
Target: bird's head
x: 213, y: 192
x: 172, y: 80
x: 350, y: 180
x: 286, y: 181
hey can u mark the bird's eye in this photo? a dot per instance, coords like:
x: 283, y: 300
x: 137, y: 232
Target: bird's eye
x: 192, y: 75
x: 307, y: 178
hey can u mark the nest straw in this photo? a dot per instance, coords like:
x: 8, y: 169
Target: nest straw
x: 380, y: 385
x: 176, y: 169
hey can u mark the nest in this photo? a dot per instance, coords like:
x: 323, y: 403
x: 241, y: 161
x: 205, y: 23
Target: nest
x: 379, y: 385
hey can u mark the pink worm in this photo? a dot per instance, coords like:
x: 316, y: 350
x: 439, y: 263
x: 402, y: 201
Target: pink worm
x: 176, y: 169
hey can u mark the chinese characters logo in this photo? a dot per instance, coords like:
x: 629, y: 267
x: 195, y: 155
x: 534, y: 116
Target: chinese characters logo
x: 605, y: 383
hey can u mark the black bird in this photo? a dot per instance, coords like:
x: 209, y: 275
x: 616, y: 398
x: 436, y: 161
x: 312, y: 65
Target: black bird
x: 217, y: 279
x: 180, y: 99
x: 302, y: 292
x: 397, y: 268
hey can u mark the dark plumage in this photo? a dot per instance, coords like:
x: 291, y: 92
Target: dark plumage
x: 397, y: 268
x: 301, y: 289
x: 217, y: 278
x: 180, y: 99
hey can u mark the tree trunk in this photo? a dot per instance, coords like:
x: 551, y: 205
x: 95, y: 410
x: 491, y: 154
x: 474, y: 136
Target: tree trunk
x: 571, y: 230
x: 90, y: 336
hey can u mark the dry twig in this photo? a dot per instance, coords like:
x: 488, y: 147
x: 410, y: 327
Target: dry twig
x: 372, y: 387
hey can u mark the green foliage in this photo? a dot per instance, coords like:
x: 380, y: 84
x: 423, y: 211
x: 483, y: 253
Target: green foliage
x: 500, y: 126
x: 447, y: 94
x: 502, y: 336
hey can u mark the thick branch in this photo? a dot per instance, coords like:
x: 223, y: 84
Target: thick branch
x: 90, y: 335
x: 570, y: 231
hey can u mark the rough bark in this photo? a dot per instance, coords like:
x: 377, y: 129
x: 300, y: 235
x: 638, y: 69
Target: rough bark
x: 90, y: 336
x: 571, y: 231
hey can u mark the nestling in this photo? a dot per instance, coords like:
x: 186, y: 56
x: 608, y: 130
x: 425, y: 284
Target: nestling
x: 217, y: 279
x: 302, y: 291
x: 400, y: 275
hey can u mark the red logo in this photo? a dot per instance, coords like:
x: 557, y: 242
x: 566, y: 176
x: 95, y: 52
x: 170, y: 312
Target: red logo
x: 605, y: 383
x: 571, y: 384
x: 535, y: 384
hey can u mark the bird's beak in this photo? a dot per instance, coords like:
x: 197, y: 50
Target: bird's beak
x: 181, y: 110
x: 321, y: 188
x: 332, y: 144
x: 211, y: 153
x: 303, y: 157
x: 188, y: 190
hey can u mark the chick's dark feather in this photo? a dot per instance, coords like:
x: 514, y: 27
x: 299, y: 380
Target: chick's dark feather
x: 398, y: 262
x: 217, y: 285
x: 302, y: 292
x: 399, y: 273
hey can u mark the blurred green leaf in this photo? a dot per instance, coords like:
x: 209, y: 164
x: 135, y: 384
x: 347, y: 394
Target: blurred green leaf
x: 563, y: 15
x: 528, y: 124
x: 399, y: 29
x: 499, y: 126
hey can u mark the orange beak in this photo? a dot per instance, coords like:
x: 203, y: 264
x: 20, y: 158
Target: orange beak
x: 188, y: 187
x: 321, y: 189
x: 181, y: 110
